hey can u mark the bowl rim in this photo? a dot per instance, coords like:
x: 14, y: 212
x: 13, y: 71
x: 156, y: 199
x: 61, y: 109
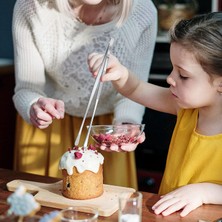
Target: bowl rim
x: 118, y: 125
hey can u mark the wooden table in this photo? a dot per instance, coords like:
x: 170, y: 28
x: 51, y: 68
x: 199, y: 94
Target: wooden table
x: 207, y: 212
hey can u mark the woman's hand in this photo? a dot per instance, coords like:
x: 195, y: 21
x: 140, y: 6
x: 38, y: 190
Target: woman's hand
x: 45, y: 110
x: 187, y: 198
x: 126, y: 147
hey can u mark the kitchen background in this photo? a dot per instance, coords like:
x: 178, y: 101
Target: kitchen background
x: 150, y: 155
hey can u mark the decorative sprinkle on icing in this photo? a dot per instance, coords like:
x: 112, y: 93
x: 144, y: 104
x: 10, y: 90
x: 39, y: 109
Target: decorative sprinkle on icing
x: 76, y: 148
x: 78, y: 155
x: 91, y: 147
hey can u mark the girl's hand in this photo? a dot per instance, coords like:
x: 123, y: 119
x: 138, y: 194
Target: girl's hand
x: 187, y: 198
x: 115, y: 71
x: 126, y: 147
x: 45, y: 110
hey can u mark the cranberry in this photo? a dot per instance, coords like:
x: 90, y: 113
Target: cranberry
x: 78, y: 155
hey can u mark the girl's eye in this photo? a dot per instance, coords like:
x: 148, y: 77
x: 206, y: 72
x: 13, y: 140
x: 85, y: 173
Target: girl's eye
x: 183, y: 77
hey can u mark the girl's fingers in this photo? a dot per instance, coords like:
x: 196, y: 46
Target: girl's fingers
x: 114, y: 147
x: 95, y: 61
x: 111, y: 75
x: 163, y: 206
x: 128, y: 147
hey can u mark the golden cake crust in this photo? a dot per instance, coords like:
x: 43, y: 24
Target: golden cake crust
x: 81, y: 186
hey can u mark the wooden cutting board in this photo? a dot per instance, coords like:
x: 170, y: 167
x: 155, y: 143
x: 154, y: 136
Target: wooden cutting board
x: 50, y: 195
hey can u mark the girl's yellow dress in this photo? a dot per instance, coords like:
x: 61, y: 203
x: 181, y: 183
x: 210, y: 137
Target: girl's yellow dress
x: 39, y: 151
x: 192, y: 158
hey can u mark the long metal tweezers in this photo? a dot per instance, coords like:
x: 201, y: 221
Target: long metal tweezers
x: 98, y: 85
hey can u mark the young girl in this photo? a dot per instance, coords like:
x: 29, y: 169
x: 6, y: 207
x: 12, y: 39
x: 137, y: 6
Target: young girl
x: 192, y: 175
x: 52, y: 40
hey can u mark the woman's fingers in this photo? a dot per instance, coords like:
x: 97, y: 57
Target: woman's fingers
x: 53, y: 107
x: 45, y: 110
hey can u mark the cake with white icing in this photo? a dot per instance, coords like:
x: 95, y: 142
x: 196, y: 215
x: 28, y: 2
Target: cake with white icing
x: 82, y: 171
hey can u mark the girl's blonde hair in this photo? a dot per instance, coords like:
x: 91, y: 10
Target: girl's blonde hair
x: 121, y: 15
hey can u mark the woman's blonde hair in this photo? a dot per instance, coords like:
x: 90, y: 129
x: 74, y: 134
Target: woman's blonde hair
x: 121, y: 15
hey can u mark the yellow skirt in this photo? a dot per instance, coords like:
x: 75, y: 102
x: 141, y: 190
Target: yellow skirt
x: 39, y: 151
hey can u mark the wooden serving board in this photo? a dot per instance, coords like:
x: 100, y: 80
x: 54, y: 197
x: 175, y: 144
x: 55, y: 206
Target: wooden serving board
x: 50, y: 195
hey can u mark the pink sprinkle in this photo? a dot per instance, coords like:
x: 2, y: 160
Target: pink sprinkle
x: 91, y: 147
x: 78, y: 155
x: 75, y: 148
x: 110, y: 139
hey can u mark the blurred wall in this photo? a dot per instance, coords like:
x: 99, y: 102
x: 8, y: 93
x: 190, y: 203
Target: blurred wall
x: 6, y: 47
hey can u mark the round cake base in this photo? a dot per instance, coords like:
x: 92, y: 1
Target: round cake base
x: 82, y: 186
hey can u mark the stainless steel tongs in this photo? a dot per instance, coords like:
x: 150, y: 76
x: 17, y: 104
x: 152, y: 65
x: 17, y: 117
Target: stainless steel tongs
x: 97, y: 85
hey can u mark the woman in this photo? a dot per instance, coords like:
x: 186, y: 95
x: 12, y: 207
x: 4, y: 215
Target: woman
x: 52, y: 40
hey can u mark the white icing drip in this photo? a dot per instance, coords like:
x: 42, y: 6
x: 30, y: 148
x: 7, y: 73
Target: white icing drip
x: 90, y: 160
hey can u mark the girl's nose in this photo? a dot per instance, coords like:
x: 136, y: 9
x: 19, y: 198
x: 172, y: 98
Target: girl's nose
x: 171, y: 81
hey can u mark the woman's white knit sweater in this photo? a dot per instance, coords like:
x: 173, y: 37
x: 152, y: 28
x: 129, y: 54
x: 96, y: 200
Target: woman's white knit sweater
x: 51, y: 51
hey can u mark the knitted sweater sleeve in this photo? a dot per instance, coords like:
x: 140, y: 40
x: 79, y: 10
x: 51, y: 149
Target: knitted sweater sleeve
x: 140, y: 59
x: 29, y: 67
